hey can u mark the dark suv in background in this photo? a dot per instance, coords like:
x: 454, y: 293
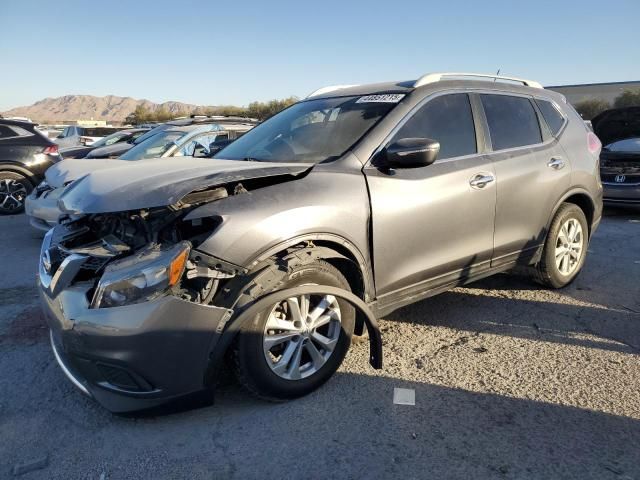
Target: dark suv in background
x: 342, y: 208
x: 25, y: 154
x: 619, y: 131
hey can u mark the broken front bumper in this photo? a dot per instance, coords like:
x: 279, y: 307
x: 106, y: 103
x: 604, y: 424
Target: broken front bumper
x: 132, y: 357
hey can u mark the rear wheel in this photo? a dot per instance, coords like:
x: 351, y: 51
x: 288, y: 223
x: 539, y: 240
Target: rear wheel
x: 294, y: 346
x: 565, y: 248
x: 14, y: 189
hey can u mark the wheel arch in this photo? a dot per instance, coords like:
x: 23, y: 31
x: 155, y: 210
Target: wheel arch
x: 582, y: 199
x: 15, y: 168
x: 338, y: 251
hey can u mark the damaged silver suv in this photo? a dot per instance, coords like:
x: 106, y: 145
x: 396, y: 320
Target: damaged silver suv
x: 340, y: 209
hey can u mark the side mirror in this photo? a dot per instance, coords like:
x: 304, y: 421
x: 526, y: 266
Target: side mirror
x: 412, y: 152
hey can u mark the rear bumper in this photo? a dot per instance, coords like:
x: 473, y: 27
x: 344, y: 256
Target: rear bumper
x: 621, y: 194
x: 133, y: 357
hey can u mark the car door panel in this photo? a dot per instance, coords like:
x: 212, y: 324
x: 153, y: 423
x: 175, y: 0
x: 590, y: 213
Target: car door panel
x: 528, y: 189
x: 531, y: 171
x: 429, y: 222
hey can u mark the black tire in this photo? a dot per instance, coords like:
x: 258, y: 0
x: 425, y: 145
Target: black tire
x: 546, y: 271
x: 12, y: 199
x: 251, y: 366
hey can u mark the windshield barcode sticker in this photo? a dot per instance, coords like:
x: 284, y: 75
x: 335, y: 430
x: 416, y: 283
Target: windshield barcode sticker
x: 386, y: 98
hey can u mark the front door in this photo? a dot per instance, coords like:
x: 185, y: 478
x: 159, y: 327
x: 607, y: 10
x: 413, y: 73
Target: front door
x: 433, y: 225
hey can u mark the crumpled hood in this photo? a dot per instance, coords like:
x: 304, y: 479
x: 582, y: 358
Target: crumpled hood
x: 133, y: 185
x: 72, y: 169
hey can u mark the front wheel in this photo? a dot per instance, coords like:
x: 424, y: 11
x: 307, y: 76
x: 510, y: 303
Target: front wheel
x: 565, y: 248
x: 295, y: 346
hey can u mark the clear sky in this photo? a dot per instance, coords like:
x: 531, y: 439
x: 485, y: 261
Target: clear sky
x: 234, y: 52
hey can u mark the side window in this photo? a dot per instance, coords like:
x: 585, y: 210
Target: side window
x: 20, y: 132
x: 447, y: 119
x: 551, y: 115
x: 6, y: 132
x: 512, y: 121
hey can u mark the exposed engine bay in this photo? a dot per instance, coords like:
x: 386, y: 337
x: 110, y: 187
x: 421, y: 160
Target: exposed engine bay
x: 135, y: 255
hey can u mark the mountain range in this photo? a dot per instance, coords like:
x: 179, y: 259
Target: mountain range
x: 86, y: 107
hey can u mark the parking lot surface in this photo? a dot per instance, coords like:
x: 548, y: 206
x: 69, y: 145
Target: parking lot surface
x: 510, y: 380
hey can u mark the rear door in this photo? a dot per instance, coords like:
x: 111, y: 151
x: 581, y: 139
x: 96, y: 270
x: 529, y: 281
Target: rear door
x: 532, y: 174
x: 430, y: 225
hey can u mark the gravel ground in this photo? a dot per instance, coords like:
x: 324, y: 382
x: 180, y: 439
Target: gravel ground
x: 510, y: 380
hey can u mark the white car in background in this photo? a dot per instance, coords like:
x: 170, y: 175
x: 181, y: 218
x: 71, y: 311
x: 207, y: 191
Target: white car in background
x: 74, y: 135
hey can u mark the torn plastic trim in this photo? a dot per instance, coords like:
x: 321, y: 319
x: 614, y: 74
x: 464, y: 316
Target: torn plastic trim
x: 205, y: 260
x: 263, y: 303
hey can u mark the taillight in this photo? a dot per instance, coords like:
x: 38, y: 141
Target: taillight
x: 593, y: 143
x: 51, y: 150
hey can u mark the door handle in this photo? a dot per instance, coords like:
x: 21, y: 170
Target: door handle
x: 556, y: 163
x: 481, y: 180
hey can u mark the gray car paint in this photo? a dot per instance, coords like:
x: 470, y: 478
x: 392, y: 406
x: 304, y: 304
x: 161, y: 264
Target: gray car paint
x: 72, y: 169
x: 412, y: 233
x: 432, y: 250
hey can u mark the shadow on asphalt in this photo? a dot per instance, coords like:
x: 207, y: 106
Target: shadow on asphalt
x: 449, y: 433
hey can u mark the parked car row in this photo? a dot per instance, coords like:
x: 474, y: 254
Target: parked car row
x: 270, y: 255
x: 74, y: 135
x: 111, y: 146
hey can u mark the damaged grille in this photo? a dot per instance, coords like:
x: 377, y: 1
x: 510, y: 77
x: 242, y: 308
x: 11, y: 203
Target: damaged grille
x: 93, y: 264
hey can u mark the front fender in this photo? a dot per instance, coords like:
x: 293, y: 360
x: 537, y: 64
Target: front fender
x: 325, y: 203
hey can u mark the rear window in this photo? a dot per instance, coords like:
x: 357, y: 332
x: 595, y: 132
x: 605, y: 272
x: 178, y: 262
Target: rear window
x: 551, y: 115
x: 97, y: 132
x: 512, y: 121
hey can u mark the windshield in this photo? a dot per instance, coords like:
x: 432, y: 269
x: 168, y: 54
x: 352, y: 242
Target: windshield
x: 155, y: 146
x: 111, y: 139
x: 150, y: 133
x: 309, y: 132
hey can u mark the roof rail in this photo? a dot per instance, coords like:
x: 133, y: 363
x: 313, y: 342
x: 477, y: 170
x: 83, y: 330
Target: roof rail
x: 328, y: 89
x: 437, y: 77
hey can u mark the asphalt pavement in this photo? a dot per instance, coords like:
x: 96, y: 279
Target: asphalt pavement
x: 510, y: 381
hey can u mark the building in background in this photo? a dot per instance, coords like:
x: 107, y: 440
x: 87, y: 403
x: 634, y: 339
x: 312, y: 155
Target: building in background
x: 594, y: 91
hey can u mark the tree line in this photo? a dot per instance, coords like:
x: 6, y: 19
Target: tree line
x: 259, y: 110
x: 590, y: 108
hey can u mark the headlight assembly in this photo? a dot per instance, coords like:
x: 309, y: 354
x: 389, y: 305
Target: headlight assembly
x: 141, y: 277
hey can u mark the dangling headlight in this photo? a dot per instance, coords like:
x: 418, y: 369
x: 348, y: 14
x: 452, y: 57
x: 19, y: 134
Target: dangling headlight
x: 141, y: 277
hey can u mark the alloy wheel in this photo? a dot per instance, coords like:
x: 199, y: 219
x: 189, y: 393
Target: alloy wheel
x: 300, y: 335
x: 12, y: 194
x: 569, y: 247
